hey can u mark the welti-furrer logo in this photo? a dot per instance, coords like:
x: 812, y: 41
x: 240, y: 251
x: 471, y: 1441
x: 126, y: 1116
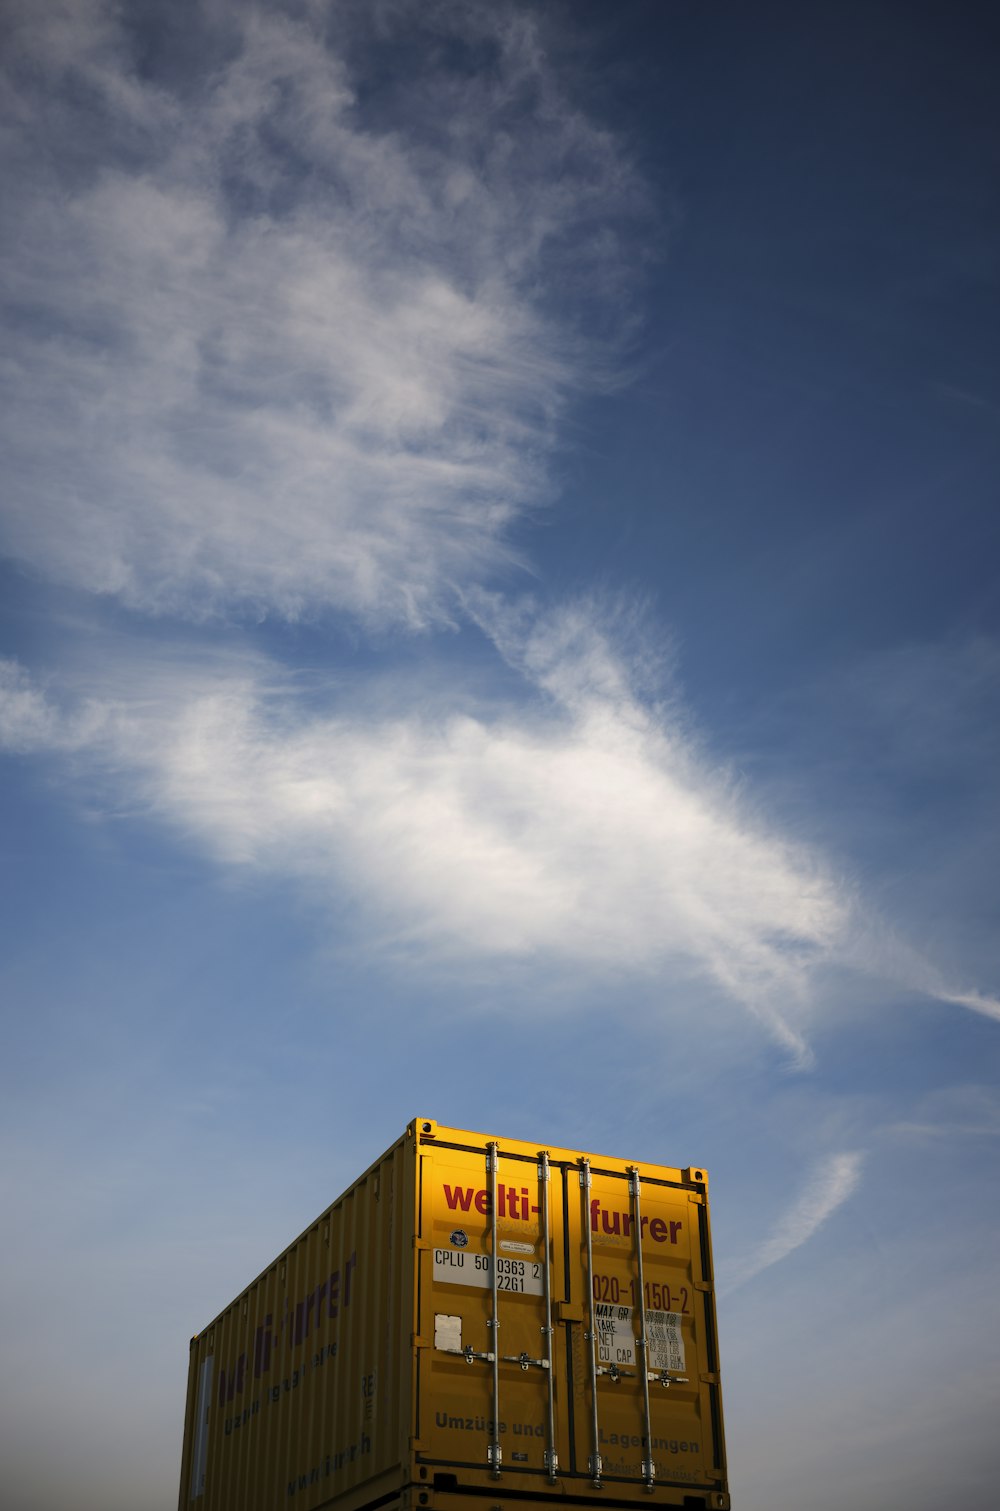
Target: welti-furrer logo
x: 459, y: 1239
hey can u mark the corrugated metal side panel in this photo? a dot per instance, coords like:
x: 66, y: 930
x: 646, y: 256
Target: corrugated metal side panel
x: 298, y: 1393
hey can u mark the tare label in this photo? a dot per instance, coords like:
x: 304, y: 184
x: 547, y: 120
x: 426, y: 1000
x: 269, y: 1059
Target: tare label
x: 459, y: 1267
x: 616, y: 1337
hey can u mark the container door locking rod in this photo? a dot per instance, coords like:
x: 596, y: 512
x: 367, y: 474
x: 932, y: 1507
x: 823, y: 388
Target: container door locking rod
x: 591, y: 1336
x: 642, y: 1342
x: 524, y: 1359
x: 551, y: 1456
x: 494, y: 1453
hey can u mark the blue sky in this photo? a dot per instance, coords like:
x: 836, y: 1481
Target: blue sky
x: 499, y: 621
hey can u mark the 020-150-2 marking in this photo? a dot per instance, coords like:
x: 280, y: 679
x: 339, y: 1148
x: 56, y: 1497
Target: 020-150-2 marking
x: 659, y: 1298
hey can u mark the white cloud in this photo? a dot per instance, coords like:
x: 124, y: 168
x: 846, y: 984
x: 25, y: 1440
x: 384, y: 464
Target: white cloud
x: 27, y: 721
x: 269, y: 353
x: 966, y: 1112
x: 584, y: 828
x: 832, y: 1183
x: 30, y: 722
x: 976, y: 1002
x: 877, y: 949
x: 585, y: 831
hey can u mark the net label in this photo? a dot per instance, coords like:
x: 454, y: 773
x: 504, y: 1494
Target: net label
x: 616, y: 1337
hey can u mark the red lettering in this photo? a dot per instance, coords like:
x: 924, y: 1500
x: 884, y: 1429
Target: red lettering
x: 458, y: 1197
x: 622, y: 1224
x: 483, y: 1202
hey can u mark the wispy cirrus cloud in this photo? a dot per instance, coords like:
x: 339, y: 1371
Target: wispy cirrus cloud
x: 264, y: 352
x: 581, y: 824
x: 832, y: 1183
x: 30, y: 721
x: 965, y: 1112
x: 583, y: 828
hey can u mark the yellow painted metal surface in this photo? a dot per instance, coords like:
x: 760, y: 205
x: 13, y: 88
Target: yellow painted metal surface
x: 294, y: 1392
x: 408, y: 1345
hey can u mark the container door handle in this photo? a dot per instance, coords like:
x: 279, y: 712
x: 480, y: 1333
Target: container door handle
x: 615, y: 1373
x: 525, y: 1361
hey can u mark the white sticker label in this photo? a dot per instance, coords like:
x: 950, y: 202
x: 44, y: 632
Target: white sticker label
x: 511, y: 1246
x: 666, y: 1341
x: 448, y: 1333
x: 616, y: 1343
x: 455, y: 1267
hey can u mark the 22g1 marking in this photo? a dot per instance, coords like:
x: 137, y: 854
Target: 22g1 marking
x: 511, y: 1273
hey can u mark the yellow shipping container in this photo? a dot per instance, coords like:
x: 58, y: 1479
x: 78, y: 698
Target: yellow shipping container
x: 475, y: 1316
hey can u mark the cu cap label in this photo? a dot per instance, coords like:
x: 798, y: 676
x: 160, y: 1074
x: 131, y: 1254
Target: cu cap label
x: 459, y: 1239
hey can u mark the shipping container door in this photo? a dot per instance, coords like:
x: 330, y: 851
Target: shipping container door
x: 491, y: 1387
x: 572, y: 1341
x: 644, y: 1361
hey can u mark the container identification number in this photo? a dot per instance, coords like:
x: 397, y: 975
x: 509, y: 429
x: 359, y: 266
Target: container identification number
x: 459, y: 1267
x: 658, y: 1297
